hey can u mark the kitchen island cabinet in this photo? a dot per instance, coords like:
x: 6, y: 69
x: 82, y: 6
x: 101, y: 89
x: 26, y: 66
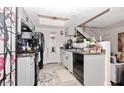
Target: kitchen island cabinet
x: 94, y: 70
x: 88, y: 68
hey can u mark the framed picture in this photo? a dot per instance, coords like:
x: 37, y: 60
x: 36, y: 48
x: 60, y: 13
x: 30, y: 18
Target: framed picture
x: 121, y: 42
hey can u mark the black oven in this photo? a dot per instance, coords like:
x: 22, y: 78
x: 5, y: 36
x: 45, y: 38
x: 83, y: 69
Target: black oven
x: 78, y: 66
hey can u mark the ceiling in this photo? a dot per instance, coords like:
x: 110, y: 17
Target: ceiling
x: 67, y: 12
x: 114, y: 16
x: 64, y: 12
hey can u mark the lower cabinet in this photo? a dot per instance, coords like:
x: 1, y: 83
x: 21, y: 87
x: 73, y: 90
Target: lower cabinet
x: 25, y: 71
x: 67, y: 59
x: 62, y: 56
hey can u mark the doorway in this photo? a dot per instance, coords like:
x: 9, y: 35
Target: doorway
x: 52, y: 48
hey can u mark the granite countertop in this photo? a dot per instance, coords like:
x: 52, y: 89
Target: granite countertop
x: 79, y: 51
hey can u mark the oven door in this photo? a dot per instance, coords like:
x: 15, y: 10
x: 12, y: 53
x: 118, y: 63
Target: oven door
x: 78, y: 66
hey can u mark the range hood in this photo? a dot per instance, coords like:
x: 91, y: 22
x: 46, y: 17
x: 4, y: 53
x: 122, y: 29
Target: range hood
x: 81, y: 31
x: 25, y: 28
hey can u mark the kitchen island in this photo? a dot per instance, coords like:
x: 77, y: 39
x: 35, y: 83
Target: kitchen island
x: 88, y: 68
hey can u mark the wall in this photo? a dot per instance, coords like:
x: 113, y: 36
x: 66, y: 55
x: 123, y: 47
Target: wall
x: 59, y: 43
x: 95, y: 32
x: 108, y: 34
x: 112, y: 35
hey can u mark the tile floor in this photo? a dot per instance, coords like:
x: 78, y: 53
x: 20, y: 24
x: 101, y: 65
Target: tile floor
x: 56, y: 75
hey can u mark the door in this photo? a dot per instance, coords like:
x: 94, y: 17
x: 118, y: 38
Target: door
x: 52, y: 47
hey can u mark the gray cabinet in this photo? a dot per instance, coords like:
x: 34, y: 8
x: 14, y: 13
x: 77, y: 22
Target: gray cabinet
x: 67, y: 59
x: 23, y: 17
x: 63, y: 57
x: 25, y: 71
x: 69, y: 31
x: 19, y: 20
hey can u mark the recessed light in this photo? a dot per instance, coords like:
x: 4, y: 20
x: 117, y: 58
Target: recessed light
x: 24, y: 28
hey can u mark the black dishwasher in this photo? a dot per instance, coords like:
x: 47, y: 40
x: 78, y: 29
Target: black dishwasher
x: 78, y: 66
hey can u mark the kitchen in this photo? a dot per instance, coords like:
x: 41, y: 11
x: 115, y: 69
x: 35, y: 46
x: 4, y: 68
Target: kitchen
x: 50, y: 47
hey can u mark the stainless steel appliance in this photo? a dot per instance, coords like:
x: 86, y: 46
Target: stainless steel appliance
x: 41, y: 49
x: 78, y: 67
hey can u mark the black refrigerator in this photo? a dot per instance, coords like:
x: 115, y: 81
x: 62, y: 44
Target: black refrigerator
x: 41, y: 49
x: 39, y: 45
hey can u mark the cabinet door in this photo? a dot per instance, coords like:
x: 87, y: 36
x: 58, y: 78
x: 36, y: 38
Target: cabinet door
x: 19, y: 20
x: 32, y: 71
x: 61, y: 56
x: 66, y: 61
x: 70, y: 63
x: 23, y: 71
x: 69, y: 30
x: 32, y: 75
x: 64, y: 58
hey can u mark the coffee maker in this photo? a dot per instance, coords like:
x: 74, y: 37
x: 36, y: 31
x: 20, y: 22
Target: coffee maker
x: 69, y: 44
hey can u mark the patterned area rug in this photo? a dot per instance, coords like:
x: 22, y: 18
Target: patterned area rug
x: 56, y: 75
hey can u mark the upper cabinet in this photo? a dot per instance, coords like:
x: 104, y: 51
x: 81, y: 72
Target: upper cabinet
x: 69, y: 30
x: 23, y: 17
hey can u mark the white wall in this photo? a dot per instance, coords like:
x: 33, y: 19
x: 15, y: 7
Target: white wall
x: 112, y: 35
x: 60, y: 41
x: 95, y: 32
x: 109, y: 34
